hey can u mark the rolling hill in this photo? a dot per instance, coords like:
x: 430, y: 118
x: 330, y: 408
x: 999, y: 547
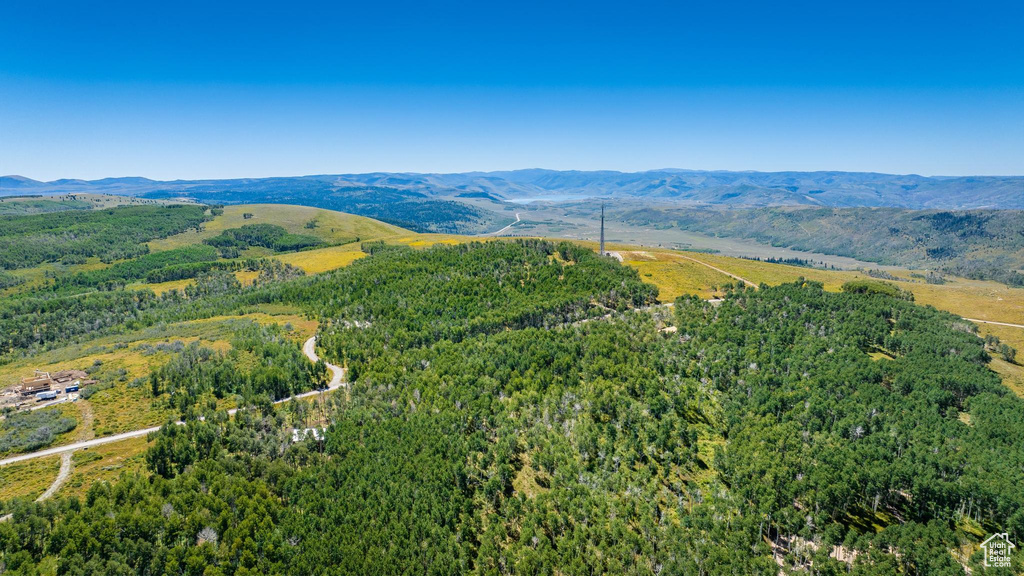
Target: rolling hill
x: 673, y: 186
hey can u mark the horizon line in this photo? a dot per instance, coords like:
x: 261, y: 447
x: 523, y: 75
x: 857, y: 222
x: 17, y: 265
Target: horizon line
x: 484, y: 172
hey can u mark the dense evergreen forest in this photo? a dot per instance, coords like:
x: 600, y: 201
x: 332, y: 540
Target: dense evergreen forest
x: 73, y: 236
x: 527, y: 408
x: 406, y: 208
x: 142, y: 266
x: 265, y: 235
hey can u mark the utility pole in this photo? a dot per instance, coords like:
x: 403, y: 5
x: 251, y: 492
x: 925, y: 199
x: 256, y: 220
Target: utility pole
x: 602, y: 228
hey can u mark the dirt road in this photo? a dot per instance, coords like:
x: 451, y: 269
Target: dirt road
x: 996, y: 323
x: 717, y: 269
x: 505, y: 229
x: 309, y: 349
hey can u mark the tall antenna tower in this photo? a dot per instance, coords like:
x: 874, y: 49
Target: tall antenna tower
x: 602, y: 228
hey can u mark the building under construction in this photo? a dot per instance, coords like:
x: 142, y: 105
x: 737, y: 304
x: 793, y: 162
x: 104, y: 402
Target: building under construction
x: 45, y: 381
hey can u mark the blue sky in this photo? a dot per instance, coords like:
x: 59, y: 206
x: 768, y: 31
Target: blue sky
x: 186, y: 90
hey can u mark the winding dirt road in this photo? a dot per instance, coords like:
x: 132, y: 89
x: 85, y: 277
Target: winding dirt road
x: 62, y: 477
x: 505, y: 229
x: 337, y: 372
x: 309, y: 349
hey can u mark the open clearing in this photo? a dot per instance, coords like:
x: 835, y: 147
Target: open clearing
x: 119, y: 359
x: 28, y: 479
x: 323, y: 259
x: 105, y: 463
x: 675, y: 276
x: 34, y: 204
x: 331, y: 227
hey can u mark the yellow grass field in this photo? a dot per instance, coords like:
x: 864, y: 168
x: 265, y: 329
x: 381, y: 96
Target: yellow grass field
x: 974, y: 299
x: 246, y: 277
x: 123, y: 409
x: 302, y: 326
x: 331, y: 226
x: 37, y: 274
x: 334, y: 257
x: 1013, y: 374
x: 28, y: 479
x: 82, y: 356
x: 428, y: 240
x: 323, y: 259
x: 104, y: 464
x: 116, y: 409
x: 771, y: 274
x: 979, y: 299
x: 161, y: 288
x: 674, y: 276
x: 1012, y: 336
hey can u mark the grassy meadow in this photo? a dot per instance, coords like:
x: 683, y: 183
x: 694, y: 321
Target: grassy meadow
x: 331, y: 227
x: 104, y: 464
x: 31, y: 204
x: 28, y: 479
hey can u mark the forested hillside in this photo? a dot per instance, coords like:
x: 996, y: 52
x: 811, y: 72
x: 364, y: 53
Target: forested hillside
x: 680, y: 187
x: 522, y: 408
x: 982, y: 244
x: 23, y: 205
x: 405, y: 208
x: 231, y: 241
x: 73, y: 236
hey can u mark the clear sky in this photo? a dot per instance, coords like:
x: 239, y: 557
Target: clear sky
x: 211, y: 90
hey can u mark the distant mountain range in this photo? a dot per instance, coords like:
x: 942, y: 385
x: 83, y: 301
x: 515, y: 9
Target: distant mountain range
x: 667, y: 187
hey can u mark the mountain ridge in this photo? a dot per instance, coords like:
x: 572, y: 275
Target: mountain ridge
x: 666, y: 186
